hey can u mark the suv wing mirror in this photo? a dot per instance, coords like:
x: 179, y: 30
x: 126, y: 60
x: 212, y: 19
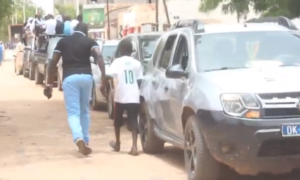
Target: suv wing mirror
x: 176, y: 72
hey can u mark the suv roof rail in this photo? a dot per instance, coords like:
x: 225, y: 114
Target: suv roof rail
x: 53, y: 35
x: 281, y: 20
x: 195, y: 24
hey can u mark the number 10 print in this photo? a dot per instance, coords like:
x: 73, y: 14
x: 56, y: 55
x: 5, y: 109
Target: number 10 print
x: 129, y: 77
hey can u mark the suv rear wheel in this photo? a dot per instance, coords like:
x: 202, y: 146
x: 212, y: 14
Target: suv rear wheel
x: 31, y: 71
x: 25, y: 72
x: 39, y: 77
x: 151, y: 144
x: 198, y: 161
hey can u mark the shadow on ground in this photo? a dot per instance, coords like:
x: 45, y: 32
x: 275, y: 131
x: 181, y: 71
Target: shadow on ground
x: 174, y: 157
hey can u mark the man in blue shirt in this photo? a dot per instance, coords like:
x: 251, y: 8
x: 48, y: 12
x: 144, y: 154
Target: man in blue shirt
x: 68, y: 29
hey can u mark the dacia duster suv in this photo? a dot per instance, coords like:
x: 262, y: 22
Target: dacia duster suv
x: 225, y: 94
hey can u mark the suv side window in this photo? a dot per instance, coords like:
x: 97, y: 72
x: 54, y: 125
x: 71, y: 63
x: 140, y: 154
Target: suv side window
x: 134, y: 53
x: 159, y: 45
x: 181, y: 55
x: 167, y: 52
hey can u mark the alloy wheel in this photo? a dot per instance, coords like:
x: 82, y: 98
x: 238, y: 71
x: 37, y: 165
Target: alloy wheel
x: 190, y: 151
x: 142, y: 120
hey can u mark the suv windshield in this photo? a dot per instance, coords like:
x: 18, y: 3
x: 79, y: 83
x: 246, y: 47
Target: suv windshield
x: 108, y: 52
x: 233, y: 50
x: 148, y: 46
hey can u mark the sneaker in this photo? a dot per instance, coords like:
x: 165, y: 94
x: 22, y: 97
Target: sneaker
x: 83, y: 148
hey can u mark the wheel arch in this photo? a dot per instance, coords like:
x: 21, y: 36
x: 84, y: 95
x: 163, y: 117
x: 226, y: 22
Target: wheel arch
x: 186, y: 113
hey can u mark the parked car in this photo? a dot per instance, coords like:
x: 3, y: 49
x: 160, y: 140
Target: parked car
x: 18, y: 61
x: 225, y: 94
x: 108, y: 50
x: 28, y: 61
x: 43, y: 56
x: 143, y: 47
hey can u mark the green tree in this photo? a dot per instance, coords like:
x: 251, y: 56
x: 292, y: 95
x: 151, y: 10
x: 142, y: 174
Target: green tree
x: 288, y: 8
x: 240, y: 7
x: 30, y: 10
x: 66, y: 9
x: 5, y: 9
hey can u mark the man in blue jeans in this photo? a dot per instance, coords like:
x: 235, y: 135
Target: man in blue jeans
x: 75, y: 51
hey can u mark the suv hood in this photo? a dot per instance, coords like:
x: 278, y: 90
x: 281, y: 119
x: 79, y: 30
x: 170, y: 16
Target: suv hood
x: 256, y: 80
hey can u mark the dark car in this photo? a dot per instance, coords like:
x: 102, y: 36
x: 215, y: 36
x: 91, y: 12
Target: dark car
x: 43, y: 56
x: 28, y: 60
x: 143, y: 47
x: 225, y: 94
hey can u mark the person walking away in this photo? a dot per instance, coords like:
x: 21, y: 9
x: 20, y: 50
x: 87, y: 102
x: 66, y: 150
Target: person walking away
x: 3, y: 50
x: 68, y: 29
x: 75, y: 51
x: 127, y: 74
x: 1, y: 53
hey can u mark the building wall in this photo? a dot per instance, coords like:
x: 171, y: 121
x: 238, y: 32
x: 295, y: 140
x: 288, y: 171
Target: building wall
x: 119, y: 1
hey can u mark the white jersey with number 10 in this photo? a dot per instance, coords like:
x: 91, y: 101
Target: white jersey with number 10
x: 126, y: 71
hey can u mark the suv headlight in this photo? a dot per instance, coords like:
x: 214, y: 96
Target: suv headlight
x: 240, y: 105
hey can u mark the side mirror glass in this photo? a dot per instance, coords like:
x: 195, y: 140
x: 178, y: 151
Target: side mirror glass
x: 176, y: 72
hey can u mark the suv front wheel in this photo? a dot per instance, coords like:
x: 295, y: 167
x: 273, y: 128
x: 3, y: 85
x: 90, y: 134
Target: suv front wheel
x: 198, y: 161
x: 151, y: 144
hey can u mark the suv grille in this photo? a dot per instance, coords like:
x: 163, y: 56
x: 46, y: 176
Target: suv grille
x: 282, y: 147
x: 279, y: 95
x: 279, y: 105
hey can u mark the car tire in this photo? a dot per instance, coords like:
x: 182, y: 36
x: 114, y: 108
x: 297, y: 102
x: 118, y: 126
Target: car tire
x: 205, y: 167
x: 25, y: 72
x: 39, y: 77
x: 59, y: 82
x: 151, y: 144
x: 31, y: 73
x: 94, y: 103
x: 110, y: 104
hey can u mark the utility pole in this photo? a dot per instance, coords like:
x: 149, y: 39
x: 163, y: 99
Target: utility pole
x: 156, y: 13
x: 108, y: 20
x: 24, y: 15
x: 77, y: 7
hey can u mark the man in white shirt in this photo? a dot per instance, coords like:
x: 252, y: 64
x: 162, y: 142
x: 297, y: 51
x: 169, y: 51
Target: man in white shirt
x: 50, y: 25
x: 127, y: 73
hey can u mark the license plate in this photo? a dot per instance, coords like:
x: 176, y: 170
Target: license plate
x: 290, y: 130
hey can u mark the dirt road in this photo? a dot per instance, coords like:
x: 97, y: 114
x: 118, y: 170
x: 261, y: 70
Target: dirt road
x: 36, y: 142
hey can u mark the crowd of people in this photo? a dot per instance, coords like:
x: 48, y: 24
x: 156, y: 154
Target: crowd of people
x: 49, y: 25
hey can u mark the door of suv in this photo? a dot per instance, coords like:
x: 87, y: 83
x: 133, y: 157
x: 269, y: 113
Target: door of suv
x: 159, y: 83
x: 178, y: 88
x: 41, y: 57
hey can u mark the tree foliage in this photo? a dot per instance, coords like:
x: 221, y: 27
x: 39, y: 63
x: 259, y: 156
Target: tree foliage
x: 5, y: 9
x: 66, y: 9
x: 240, y: 7
x: 288, y: 8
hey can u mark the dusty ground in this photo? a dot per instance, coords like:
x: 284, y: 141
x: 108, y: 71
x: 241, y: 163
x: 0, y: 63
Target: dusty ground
x: 36, y: 142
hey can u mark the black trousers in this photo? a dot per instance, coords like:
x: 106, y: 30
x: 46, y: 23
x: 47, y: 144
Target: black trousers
x: 132, y: 110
